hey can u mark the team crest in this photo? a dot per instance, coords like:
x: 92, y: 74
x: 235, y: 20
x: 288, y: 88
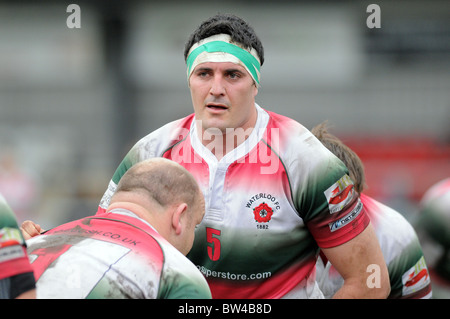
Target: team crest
x: 263, y: 213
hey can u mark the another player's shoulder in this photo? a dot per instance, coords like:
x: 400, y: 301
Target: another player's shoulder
x: 440, y: 190
x: 389, y: 224
x: 379, y: 211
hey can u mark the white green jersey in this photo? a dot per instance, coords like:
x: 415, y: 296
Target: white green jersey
x: 13, y: 251
x: 270, y: 203
x: 112, y: 255
x: 408, y: 272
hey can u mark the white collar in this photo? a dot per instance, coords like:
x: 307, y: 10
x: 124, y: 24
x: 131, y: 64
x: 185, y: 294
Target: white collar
x: 240, y: 151
x: 129, y: 213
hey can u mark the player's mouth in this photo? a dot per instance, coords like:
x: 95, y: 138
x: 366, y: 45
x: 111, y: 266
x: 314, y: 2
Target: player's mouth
x: 216, y: 107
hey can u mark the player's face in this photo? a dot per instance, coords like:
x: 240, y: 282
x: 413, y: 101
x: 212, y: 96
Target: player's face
x: 223, y: 96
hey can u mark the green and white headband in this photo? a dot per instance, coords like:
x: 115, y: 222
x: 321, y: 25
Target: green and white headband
x: 219, y: 48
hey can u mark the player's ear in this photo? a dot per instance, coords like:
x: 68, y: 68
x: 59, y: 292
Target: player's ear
x: 177, y: 215
x: 255, y: 91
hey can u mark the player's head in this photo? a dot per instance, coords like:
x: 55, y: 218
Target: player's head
x: 344, y: 153
x: 223, y: 57
x: 171, y: 195
x: 240, y: 32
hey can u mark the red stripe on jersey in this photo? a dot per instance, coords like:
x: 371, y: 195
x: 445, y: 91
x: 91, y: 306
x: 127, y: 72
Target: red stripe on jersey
x: 326, y: 238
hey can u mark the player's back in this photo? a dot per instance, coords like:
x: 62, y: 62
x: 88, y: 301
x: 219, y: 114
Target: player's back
x: 110, y: 255
x: 96, y: 258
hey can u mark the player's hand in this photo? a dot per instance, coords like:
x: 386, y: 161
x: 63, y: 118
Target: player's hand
x: 30, y: 229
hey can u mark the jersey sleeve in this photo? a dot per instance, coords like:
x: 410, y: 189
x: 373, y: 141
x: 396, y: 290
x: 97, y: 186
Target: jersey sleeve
x: 408, y: 274
x: 325, y: 196
x: 129, y: 160
x: 145, y: 148
x: 150, y: 146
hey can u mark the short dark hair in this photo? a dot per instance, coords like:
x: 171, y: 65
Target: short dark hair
x: 239, y: 30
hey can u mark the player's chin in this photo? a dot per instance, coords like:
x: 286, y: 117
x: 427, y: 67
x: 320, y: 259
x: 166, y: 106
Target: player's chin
x: 215, y: 125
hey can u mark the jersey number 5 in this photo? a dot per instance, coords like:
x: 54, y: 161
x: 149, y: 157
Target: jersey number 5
x: 213, y: 243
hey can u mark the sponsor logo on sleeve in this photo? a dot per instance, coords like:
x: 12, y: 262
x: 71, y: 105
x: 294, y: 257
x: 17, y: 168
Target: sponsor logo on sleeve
x: 347, y: 218
x: 339, y: 194
x: 416, y: 277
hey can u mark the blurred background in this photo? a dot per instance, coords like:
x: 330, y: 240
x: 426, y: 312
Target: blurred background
x: 74, y: 100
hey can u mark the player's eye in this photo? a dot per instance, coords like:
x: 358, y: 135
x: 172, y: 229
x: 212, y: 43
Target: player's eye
x: 234, y: 74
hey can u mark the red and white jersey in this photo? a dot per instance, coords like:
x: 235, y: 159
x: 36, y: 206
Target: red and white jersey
x: 112, y: 255
x: 269, y: 204
x: 408, y: 272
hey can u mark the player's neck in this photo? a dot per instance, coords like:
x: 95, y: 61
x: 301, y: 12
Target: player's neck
x: 142, y: 209
x: 220, y: 141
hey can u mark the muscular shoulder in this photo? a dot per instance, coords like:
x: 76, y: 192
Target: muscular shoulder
x: 153, y: 145
x: 311, y: 168
x: 294, y: 142
x: 302, y: 153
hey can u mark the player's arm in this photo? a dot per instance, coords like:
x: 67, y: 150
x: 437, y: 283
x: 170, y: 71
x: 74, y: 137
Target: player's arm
x: 360, y: 262
x: 30, y: 294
